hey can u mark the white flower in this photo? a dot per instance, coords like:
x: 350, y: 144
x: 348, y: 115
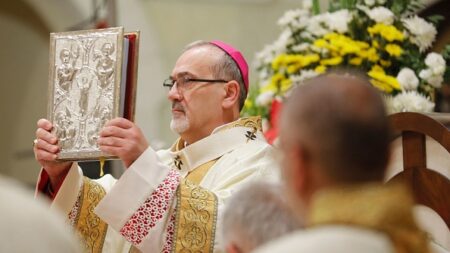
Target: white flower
x: 436, y: 81
x: 381, y: 1
x: 296, y: 18
x: 436, y: 63
x: 429, y: 77
x: 316, y: 25
x: 423, y: 33
x: 381, y: 15
x: 338, y: 21
x: 409, y: 101
x: 369, y: 2
x: 304, y: 75
x: 301, y: 47
x: 265, y: 56
x: 264, y: 98
x: 425, y: 74
x: 408, y: 79
x: 282, y: 41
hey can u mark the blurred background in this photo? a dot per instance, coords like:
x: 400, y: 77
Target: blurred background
x: 166, y: 27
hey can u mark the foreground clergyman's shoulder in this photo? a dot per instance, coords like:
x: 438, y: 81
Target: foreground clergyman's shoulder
x: 340, y: 239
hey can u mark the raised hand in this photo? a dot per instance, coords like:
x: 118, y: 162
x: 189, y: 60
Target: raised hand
x: 121, y: 137
x: 45, y: 149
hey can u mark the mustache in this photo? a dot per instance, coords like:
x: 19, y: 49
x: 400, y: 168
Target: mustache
x: 177, y: 106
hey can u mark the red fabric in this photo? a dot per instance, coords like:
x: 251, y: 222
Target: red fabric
x: 101, y: 24
x: 152, y: 210
x: 275, y: 111
x: 42, y: 185
x: 130, y: 88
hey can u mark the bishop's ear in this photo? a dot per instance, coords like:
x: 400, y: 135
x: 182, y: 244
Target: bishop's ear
x: 231, y: 94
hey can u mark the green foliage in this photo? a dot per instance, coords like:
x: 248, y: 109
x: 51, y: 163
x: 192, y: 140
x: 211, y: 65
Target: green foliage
x: 435, y: 19
x: 446, y: 55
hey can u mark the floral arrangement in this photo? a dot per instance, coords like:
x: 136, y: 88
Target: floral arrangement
x: 384, y: 38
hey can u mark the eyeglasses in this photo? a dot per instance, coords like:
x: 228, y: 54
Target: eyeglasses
x: 183, y: 82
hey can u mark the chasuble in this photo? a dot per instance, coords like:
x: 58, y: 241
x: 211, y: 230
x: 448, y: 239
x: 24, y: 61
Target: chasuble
x: 170, y: 200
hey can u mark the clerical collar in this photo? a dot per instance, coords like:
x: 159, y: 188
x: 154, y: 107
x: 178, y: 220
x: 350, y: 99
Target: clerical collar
x: 254, y: 122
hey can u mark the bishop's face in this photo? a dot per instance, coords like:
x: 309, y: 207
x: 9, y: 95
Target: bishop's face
x: 196, y: 106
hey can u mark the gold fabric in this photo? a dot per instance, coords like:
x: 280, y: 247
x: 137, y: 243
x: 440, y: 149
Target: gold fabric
x: 197, y: 207
x: 254, y: 122
x: 199, y: 173
x: 196, y: 218
x: 90, y: 227
x: 383, y: 208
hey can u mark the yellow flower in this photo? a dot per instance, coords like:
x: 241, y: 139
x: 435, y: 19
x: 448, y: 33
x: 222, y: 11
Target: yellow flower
x: 387, y: 32
x: 375, y: 44
x: 381, y: 86
x: 320, y: 69
x: 296, y: 62
x: 248, y: 103
x: 274, y: 84
x: 285, y: 85
x: 394, y: 50
x: 385, y: 63
x: 321, y: 43
x: 372, y: 55
x: 356, y: 61
x: 382, y: 81
x: 331, y: 61
x: 278, y: 61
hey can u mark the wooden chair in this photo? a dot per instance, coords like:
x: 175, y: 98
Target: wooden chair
x: 430, y: 186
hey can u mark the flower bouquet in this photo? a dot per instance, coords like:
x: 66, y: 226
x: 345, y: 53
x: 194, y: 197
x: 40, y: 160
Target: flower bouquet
x: 384, y: 38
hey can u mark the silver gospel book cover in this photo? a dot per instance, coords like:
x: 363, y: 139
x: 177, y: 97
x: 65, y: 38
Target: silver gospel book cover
x: 92, y: 79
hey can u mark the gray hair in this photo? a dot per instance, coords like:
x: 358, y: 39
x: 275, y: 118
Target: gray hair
x: 257, y: 214
x: 225, y: 69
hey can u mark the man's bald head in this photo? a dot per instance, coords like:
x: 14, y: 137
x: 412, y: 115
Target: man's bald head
x: 339, y: 120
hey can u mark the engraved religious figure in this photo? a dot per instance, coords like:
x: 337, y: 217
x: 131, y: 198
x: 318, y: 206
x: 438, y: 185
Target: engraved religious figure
x: 101, y: 116
x: 84, y: 84
x: 105, y: 64
x: 66, y: 70
x: 65, y: 129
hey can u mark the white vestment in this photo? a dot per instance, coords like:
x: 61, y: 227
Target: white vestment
x: 141, y: 208
x: 332, y: 238
x: 336, y: 239
x: 26, y: 224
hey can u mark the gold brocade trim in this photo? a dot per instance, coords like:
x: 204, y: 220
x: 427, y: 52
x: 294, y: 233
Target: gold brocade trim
x: 383, y: 208
x: 197, y: 175
x: 90, y: 227
x: 253, y: 122
x: 133, y: 249
x: 196, y: 219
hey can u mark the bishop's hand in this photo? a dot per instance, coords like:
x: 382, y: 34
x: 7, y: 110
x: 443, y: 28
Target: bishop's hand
x: 45, y: 152
x: 121, y: 137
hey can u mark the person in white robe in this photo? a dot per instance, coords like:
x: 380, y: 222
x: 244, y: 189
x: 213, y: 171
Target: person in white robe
x: 334, y: 145
x: 170, y: 200
x: 26, y: 224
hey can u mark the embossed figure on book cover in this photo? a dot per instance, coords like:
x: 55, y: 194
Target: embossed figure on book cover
x: 84, y: 85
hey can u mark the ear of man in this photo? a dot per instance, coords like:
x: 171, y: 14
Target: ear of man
x: 301, y: 172
x: 231, y: 94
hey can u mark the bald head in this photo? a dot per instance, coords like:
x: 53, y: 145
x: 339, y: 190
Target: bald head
x: 339, y: 120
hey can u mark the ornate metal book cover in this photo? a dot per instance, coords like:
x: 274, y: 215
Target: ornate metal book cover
x: 92, y: 79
